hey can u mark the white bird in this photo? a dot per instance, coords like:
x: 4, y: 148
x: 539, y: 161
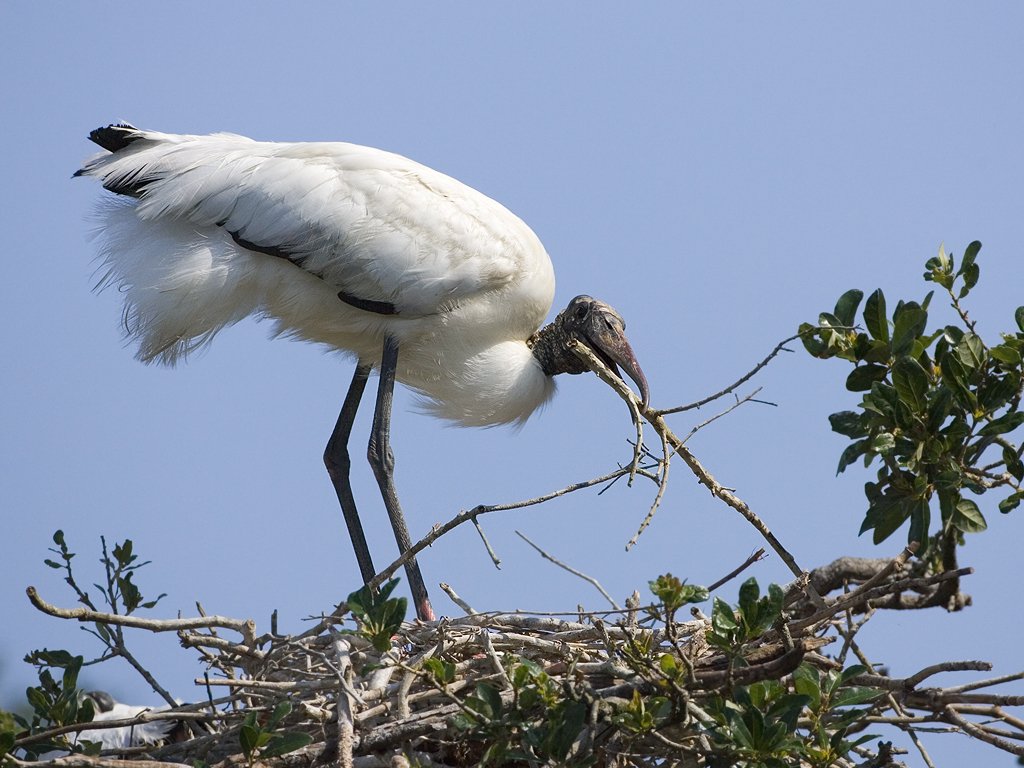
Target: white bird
x: 412, y: 272
x: 106, y: 709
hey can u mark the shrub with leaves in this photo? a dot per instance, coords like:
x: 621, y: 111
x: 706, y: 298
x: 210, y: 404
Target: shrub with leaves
x: 55, y: 703
x: 938, y: 411
x: 262, y: 738
x: 377, y: 613
x: 536, y: 725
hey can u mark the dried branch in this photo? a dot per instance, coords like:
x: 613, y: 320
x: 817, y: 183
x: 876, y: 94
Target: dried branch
x: 780, y: 347
x: 246, y: 627
x: 589, y: 579
x: 754, y: 557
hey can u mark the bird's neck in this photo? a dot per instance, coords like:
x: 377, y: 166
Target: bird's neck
x: 550, y: 345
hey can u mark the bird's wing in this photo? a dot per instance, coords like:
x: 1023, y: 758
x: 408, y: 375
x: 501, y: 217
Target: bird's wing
x: 127, y: 736
x: 383, y: 230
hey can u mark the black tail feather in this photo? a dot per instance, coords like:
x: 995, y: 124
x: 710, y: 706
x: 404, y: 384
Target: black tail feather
x: 115, y: 137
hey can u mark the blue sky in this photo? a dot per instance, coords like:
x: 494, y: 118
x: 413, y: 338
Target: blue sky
x: 718, y: 173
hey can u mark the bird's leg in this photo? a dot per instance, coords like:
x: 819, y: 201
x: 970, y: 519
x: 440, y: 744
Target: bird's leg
x: 338, y: 464
x: 383, y: 462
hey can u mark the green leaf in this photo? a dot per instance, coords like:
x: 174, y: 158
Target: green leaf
x: 123, y: 553
x: 491, y: 697
x: 969, y: 270
x: 281, y: 711
x: 855, y: 694
x: 1006, y: 423
x: 807, y: 683
x: 846, y: 307
x: 814, y: 345
x: 939, y: 409
x: 968, y: 518
x: 444, y: 672
x: 285, y: 743
x: 971, y: 352
x: 911, y: 383
x: 1019, y: 317
x: 749, y: 593
x: 970, y: 254
x: 1014, y: 465
x: 971, y: 275
x: 885, y: 515
x: 863, y: 376
x: 248, y: 737
x: 852, y: 452
x: 883, y: 443
x: 1005, y: 354
x: 851, y: 672
x: 847, y: 423
x: 909, y: 323
x: 722, y: 616
x: 956, y: 376
x: 920, y: 521
x: 877, y: 352
x: 1011, y: 502
x: 573, y: 715
x: 875, y: 319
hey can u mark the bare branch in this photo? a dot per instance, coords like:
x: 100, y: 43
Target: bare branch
x: 780, y: 347
x: 244, y: 627
x: 589, y: 579
x: 755, y: 557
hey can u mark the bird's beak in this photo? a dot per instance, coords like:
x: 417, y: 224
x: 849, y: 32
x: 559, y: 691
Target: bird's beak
x: 606, y: 335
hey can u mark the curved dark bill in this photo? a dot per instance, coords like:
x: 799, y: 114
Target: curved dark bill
x: 608, y: 341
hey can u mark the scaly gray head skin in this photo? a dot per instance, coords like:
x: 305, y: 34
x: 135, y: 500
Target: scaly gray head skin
x: 601, y: 328
x: 104, y: 701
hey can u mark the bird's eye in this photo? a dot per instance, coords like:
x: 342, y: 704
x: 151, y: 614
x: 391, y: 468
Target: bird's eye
x: 582, y: 311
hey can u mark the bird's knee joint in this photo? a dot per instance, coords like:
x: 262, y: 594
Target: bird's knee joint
x: 379, y: 456
x: 337, y: 460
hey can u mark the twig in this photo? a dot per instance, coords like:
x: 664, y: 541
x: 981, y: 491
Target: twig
x: 490, y: 550
x: 662, y: 485
x: 726, y: 412
x: 446, y: 588
x: 589, y: 579
x: 780, y: 347
x: 755, y: 557
x: 948, y: 666
x: 952, y: 716
x: 986, y: 683
x: 471, y: 514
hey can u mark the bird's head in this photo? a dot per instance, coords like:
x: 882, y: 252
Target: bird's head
x: 601, y: 328
x: 104, y: 701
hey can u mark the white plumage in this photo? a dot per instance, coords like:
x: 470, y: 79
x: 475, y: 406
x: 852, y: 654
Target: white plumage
x: 121, y: 737
x: 469, y: 281
x: 365, y: 251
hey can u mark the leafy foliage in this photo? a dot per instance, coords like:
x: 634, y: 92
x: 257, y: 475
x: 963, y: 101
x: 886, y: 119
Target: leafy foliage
x: 757, y: 726
x: 379, y: 615
x: 537, y: 725
x: 732, y: 629
x: 55, y: 702
x: 261, y: 739
x: 936, y: 405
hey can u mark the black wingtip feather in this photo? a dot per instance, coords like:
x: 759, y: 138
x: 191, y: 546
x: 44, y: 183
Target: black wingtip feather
x: 115, y: 137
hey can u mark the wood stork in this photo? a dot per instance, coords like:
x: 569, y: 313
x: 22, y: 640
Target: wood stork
x: 408, y: 270
x: 107, y: 709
